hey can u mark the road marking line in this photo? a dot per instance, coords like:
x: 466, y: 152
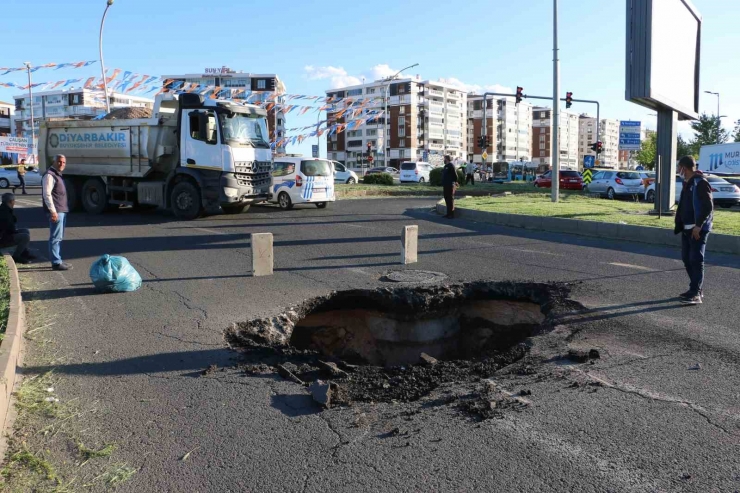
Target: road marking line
x: 21, y: 201
x: 207, y: 230
x: 535, y: 251
x: 629, y: 266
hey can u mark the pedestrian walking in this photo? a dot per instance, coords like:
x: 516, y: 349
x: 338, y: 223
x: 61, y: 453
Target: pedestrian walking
x: 22, y: 176
x: 694, y: 223
x: 470, y: 174
x: 55, y: 204
x: 10, y: 235
x: 449, y: 185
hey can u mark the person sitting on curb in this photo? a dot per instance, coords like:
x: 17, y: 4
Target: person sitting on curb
x: 10, y: 235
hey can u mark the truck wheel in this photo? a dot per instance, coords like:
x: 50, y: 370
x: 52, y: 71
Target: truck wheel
x: 284, y: 201
x: 73, y: 195
x: 94, y: 196
x: 186, y: 203
x: 321, y: 205
x: 235, y: 209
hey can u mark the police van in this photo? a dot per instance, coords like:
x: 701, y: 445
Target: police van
x: 301, y: 180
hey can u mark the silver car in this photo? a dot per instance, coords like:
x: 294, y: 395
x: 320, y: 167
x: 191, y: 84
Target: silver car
x: 613, y: 184
x: 9, y: 177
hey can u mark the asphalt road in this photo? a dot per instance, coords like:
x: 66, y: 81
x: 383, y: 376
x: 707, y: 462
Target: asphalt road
x: 653, y: 424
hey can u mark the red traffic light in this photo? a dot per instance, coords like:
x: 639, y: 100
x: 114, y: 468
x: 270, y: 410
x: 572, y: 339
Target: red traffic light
x: 568, y: 99
x: 519, y: 94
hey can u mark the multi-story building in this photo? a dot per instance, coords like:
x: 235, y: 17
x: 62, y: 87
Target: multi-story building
x: 608, y: 135
x: 73, y: 103
x: 509, y: 126
x: 541, y: 138
x: 258, y: 87
x: 425, y: 121
x: 6, y: 113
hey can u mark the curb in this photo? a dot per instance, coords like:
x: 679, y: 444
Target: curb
x: 718, y: 243
x: 436, y: 192
x: 10, y: 348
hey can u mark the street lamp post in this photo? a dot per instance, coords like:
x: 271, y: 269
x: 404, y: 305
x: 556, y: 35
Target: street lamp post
x: 30, y: 103
x: 386, y: 137
x: 102, y: 63
x: 555, y: 138
x: 719, y: 118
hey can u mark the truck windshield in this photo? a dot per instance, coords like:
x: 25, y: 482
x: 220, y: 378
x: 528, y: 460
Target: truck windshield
x: 244, y: 129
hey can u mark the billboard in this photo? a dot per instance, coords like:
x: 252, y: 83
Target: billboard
x: 629, y: 136
x: 14, y: 145
x: 663, y: 55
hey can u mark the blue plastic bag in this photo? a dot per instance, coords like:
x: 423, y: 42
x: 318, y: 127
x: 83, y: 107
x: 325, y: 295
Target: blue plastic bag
x: 114, y: 274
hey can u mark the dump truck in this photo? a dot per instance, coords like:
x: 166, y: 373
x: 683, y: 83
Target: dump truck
x: 193, y: 156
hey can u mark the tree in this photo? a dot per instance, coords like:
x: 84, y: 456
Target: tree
x: 685, y: 149
x: 646, y: 155
x: 736, y: 135
x: 707, y: 131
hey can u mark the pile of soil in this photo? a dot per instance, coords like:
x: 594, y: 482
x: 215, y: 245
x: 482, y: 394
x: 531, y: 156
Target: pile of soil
x: 128, y: 114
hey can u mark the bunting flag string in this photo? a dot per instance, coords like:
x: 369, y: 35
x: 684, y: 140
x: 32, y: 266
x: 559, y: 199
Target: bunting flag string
x: 55, y: 66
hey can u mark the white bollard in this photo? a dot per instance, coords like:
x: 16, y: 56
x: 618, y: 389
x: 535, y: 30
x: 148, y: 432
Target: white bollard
x: 409, y: 244
x: 262, y: 258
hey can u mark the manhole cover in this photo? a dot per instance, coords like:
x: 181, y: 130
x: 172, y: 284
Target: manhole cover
x: 413, y: 276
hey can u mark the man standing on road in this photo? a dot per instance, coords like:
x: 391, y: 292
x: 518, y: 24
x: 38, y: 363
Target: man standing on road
x: 22, y: 176
x: 55, y: 204
x: 12, y: 236
x: 694, y: 223
x: 449, y: 185
x: 470, y: 174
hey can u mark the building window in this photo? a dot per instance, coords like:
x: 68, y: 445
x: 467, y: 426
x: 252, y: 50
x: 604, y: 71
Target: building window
x: 402, y: 143
x: 370, y: 90
x: 402, y: 110
x: 401, y: 131
x: 354, y: 92
x: 261, y: 84
x: 401, y: 121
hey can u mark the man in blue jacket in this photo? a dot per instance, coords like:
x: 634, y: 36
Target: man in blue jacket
x: 694, y: 223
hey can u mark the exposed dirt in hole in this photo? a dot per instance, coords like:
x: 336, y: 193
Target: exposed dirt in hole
x: 368, y: 343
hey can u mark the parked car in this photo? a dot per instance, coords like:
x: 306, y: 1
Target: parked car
x: 382, y: 169
x: 648, y: 177
x: 613, y: 184
x: 569, y: 180
x: 650, y: 190
x: 9, y: 177
x: 415, y: 172
x: 344, y: 175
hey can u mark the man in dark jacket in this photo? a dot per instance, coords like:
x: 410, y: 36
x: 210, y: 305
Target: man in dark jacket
x: 449, y: 184
x: 12, y: 236
x: 694, y: 223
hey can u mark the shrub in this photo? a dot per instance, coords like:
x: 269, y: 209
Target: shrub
x: 378, y: 179
x: 435, y: 177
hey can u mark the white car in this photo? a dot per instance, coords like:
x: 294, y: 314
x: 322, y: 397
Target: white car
x: 415, y: 172
x: 613, y: 184
x: 724, y: 193
x: 299, y: 180
x: 9, y: 177
x: 344, y: 175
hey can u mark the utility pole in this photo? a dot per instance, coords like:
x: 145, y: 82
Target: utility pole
x: 30, y: 102
x: 719, y: 118
x: 102, y: 63
x: 555, y: 141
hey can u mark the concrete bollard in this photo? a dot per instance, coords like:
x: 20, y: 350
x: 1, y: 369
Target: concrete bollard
x: 409, y: 244
x: 262, y: 258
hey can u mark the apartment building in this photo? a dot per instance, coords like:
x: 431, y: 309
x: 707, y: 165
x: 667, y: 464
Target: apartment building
x: 609, y: 137
x: 541, y: 138
x: 73, y: 103
x: 258, y: 86
x: 425, y: 121
x: 6, y: 113
x: 510, y: 123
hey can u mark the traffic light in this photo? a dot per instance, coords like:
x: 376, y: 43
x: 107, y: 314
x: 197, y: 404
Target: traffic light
x: 568, y: 99
x: 599, y: 147
x: 488, y: 141
x: 482, y: 142
x: 519, y: 94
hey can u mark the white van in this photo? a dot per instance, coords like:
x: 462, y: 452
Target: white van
x: 415, y: 172
x: 300, y: 180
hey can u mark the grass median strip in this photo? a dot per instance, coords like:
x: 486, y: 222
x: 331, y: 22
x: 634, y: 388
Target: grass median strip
x: 581, y: 207
x: 426, y: 189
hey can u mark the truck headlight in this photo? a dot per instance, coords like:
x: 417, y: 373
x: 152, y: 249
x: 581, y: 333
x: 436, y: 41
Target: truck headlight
x: 231, y: 192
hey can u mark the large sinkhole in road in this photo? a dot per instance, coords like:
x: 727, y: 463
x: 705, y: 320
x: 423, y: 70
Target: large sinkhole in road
x: 466, y: 329
x: 392, y: 327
